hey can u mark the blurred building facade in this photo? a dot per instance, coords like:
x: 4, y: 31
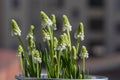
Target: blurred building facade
x: 100, y: 17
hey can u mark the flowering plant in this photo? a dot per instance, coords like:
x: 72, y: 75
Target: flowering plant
x: 60, y: 55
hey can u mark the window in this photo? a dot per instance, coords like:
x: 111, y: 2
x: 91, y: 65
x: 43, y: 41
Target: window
x: 117, y: 28
x: 15, y: 4
x: 96, y: 3
x: 60, y: 3
x: 117, y: 5
x: 96, y: 47
x: 75, y: 12
x: 96, y: 24
x: 117, y: 48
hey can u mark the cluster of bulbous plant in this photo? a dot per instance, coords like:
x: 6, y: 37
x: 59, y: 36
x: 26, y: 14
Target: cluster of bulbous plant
x: 60, y: 56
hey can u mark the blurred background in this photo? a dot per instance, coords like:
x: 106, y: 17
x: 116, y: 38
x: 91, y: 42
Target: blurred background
x: 101, y: 19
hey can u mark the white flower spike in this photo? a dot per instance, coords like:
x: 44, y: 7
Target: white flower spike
x: 66, y: 24
x: 15, y: 28
x: 80, y: 32
x: 84, y: 52
x: 46, y: 21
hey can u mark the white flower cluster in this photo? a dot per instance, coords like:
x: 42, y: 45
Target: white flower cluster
x: 16, y: 30
x: 20, y: 51
x: 29, y: 36
x: 67, y: 26
x: 46, y: 38
x: 85, y: 55
x: 35, y: 60
x: 84, y: 52
x: 47, y: 22
x: 61, y: 47
x: 54, y: 27
x: 80, y: 35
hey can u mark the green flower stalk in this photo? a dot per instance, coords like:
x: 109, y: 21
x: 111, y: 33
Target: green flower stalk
x: 20, y: 54
x: 30, y: 38
x: 67, y: 27
x: 37, y: 60
x: 17, y: 32
x: 74, y: 53
x: 83, y: 55
x: 79, y: 35
x: 47, y: 31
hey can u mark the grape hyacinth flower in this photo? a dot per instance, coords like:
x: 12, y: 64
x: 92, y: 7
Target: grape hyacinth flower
x: 46, y: 21
x: 19, y: 54
x: 30, y: 37
x: 63, y: 42
x: 19, y: 51
x: 66, y: 24
x: 55, y: 43
x: 74, y: 53
x: 83, y: 55
x: 30, y: 34
x: 15, y: 28
x: 53, y: 18
x: 84, y: 52
x: 46, y: 36
x: 80, y: 32
x: 36, y: 56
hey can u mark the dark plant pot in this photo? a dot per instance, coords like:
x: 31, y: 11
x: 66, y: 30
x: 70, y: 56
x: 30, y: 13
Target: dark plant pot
x: 44, y: 77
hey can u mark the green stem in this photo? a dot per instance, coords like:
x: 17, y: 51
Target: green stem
x: 33, y: 65
x: 26, y: 55
x: 51, y: 41
x: 58, y: 64
x: 38, y: 73
x: 68, y: 33
x: 21, y: 43
x: 77, y: 45
x: 21, y: 66
x: 83, y: 68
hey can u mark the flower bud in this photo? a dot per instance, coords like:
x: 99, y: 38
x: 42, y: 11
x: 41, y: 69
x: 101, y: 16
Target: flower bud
x: 19, y: 51
x: 66, y: 41
x: 30, y: 37
x: 36, y: 56
x: 74, y: 52
x: 46, y: 21
x: 84, y: 52
x: 80, y: 32
x: 66, y: 24
x: 46, y: 35
x: 53, y: 18
x: 15, y: 28
x: 54, y: 59
x: 61, y: 43
x: 31, y: 32
x: 55, y: 42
